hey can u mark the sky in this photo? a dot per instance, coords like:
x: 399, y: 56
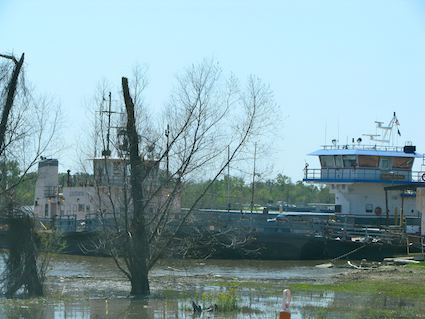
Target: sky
x: 334, y: 66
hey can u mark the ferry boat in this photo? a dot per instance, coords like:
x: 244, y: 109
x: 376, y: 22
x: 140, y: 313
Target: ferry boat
x: 376, y: 211
x: 361, y: 175
x: 375, y: 191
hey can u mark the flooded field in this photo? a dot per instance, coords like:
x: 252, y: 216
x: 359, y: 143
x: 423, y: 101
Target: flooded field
x: 92, y: 287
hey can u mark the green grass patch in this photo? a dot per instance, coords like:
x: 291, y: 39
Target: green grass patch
x: 265, y: 286
x: 399, y: 289
x: 226, y: 300
x: 420, y: 265
x: 313, y: 312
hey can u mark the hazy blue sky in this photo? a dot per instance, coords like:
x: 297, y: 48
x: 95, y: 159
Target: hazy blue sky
x: 338, y: 65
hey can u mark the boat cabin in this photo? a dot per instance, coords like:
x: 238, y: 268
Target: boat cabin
x: 350, y: 164
x: 358, y: 174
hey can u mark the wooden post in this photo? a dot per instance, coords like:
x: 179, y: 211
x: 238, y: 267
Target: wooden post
x: 402, y: 211
x: 387, y: 213
x: 407, y: 246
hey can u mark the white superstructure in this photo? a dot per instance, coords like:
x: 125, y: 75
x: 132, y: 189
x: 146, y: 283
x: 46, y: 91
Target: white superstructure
x: 46, y: 203
x: 360, y: 175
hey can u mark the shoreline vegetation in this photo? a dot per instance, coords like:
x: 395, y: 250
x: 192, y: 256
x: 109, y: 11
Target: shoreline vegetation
x: 393, y: 281
x: 237, y: 190
x: 401, y: 287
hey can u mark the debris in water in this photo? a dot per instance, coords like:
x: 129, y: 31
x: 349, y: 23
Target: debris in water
x: 326, y: 265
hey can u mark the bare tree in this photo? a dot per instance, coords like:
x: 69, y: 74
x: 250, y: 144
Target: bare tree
x: 10, y: 96
x: 26, y: 129
x: 207, y: 115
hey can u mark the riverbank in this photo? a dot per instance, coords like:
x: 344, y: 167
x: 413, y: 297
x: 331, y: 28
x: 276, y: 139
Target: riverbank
x: 387, y: 291
x: 86, y: 287
x: 381, y: 291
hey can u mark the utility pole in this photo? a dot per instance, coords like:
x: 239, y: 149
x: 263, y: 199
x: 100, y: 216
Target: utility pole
x: 228, y: 178
x: 253, y: 179
x: 96, y: 131
x: 108, y: 134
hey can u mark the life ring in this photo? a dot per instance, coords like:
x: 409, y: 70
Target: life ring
x: 378, y: 211
x: 423, y: 177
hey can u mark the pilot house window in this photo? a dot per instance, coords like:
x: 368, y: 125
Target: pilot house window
x: 368, y: 161
x: 327, y: 161
x: 350, y: 161
x: 384, y: 163
x: 402, y: 162
x: 338, y: 162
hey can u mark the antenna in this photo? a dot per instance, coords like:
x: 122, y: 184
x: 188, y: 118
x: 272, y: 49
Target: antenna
x: 338, y: 130
x: 326, y: 129
x: 107, y: 151
x: 109, y: 112
x: 386, y: 135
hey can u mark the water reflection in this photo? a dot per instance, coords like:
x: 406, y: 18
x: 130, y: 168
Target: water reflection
x: 92, y: 287
x: 126, y: 308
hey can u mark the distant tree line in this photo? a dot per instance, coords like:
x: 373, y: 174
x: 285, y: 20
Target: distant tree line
x: 23, y: 184
x: 234, y: 190
x: 271, y: 192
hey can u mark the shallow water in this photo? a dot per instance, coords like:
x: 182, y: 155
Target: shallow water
x: 92, y: 287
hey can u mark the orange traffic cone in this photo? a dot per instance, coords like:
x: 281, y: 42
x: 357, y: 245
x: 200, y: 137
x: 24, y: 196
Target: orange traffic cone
x: 286, y: 301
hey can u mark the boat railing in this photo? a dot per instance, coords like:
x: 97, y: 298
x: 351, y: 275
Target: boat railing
x: 345, y: 231
x: 306, y: 225
x: 99, y: 221
x: 66, y: 223
x: 418, y: 176
x: 363, y: 147
x: 362, y: 174
x: 417, y: 240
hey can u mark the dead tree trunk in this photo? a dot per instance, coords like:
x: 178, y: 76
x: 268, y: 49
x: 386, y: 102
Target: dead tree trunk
x: 11, y: 91
x: 22, y: 271
x: 137, y: 243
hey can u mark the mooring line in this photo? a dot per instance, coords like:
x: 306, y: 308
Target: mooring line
x: 350, y: 252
